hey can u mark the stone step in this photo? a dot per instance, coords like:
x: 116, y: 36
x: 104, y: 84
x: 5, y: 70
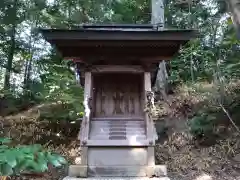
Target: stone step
x: 117, y: 171
x: 117, y: 178
x: 117, y: 130
x: 126, y: 136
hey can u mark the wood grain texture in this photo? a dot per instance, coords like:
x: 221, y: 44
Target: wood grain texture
x: 86, y: 119
x: 131, y: 131
x: 119, y: 143
x: 117, y: 69
x: 149, y: 122
x: 118, y: 95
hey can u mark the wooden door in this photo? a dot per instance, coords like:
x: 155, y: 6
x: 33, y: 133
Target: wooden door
x: 118, y: 95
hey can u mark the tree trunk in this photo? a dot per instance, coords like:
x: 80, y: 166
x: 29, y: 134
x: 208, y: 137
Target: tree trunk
x: 11, y: 49
x: 234, y: 6
x: 158, y: 20
x: 31, y: 51
x: 28, y: 65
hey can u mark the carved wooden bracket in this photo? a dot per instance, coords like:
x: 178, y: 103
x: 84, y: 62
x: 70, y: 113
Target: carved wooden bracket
x: 90, y: 104
x: 87, y: 106
x: 149, y: 107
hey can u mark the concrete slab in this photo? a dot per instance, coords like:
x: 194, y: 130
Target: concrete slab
x: 117, y: 171
x: 117, y: 178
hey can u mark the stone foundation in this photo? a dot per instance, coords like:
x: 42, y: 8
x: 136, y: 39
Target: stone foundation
x: 81, y: 171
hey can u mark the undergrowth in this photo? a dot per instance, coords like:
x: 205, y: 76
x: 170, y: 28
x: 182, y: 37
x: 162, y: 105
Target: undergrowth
x: 16, y: 160
x: 53, y: 126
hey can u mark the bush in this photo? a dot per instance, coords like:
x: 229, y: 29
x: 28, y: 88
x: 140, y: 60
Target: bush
x: 201, y: 125
x: 26, y: 159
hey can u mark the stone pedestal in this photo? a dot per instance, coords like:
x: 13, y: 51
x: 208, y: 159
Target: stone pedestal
x: 82, y: 171
x: 117, y: 178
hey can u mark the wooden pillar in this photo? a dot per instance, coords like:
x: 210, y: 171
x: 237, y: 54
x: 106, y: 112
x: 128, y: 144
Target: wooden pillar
x: 149, y: 122
x: 86, y: 118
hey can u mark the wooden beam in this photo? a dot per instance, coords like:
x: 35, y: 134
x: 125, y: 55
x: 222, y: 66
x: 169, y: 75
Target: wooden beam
x: 132, y: 118
x: 147, y: 88
x: 117, y: 69
x: 149, y: 122
x: 122, y: 52
x: 87, y: 116
x: 155, y: 59
x: 53, y: 35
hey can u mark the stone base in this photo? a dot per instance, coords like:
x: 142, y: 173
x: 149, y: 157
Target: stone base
x: 117, y: 178
x: 81, y: 171
x: 78, y: 171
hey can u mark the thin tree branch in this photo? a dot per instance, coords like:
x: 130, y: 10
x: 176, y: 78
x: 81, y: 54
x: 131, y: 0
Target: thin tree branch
x: 229, y: 117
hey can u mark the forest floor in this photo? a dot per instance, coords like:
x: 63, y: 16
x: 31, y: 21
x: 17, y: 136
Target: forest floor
x: 187, y: 159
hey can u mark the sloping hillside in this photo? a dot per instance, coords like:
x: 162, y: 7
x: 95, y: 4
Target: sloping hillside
x: 214, y: 155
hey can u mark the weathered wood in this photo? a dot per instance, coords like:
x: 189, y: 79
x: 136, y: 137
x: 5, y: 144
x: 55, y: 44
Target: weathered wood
x: 155, y: 59
x: 87, y: 110
x: 87, y: 115
x: 68, y: 36
x: 117, y: 69
x: 149, y: 122
x: 118, y: 130
x: 117, y: 95
x: 132, y: 118
x: 132, y: 143
x: 148, y: 60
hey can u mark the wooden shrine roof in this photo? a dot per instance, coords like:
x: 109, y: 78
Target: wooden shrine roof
x: 112, y: 43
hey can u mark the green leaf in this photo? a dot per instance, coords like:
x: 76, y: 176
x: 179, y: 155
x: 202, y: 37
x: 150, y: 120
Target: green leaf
x: 5, y: 140
x: 6, y: 169
x: 42, y: 161
x: 3, y: 148
x: 3, y: 158
x: 62, y: 160
x: 11, y: 160
x: 34, y: 166
x: 54, y: 161
x: 36, y: 147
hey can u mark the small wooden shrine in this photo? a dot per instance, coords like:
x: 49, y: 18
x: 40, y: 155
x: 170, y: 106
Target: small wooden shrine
x: 117, y: 65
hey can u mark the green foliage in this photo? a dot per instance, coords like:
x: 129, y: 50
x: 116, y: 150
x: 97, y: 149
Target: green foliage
x: 201, y: 125
x: 44, y: 77
x: 60, y: 88
x: 26, y: 158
